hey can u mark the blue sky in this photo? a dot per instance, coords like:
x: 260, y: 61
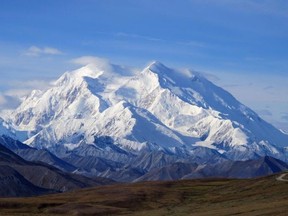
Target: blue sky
x: 242, y: 43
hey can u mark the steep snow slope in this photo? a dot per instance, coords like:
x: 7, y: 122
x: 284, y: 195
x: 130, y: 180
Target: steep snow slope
x: 156, y: 108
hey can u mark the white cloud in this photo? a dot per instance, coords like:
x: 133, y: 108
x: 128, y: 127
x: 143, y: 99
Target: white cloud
x: 40, y: 84
x: 100, y: 63
x: 264, y: 112
x: 2, y: 100
x: 84, y: 60
x: 280, y: 124
x: 18, y: 93
x: 24, y: 88
x: 8, y: 102
x: 37, y: 51
x: 12, y: 97
x: 285, y: 117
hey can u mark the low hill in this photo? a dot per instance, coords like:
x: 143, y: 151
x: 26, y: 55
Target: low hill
x: 262, y: 196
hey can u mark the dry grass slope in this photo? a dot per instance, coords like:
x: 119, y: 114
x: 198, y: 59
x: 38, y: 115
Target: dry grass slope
x: 263, y: 196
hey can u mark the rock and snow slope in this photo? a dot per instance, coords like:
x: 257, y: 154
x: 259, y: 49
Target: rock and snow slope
x: 157, y: 108
x: 6, y: 129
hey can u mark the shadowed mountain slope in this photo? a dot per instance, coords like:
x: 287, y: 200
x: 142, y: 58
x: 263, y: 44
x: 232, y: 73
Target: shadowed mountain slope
x: 25, y: 178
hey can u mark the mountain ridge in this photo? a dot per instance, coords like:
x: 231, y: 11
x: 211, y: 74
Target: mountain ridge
x: 19, y: 177
x: 113, y: 112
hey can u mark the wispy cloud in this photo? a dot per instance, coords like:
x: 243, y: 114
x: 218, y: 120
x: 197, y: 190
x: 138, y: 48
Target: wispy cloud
x: 137, y: 36
x: 84, y: 60
x: 12, y: 97
x: 285, y: 117
x: 264, y: 112
x: 282, y: 125
x: 268, y: 87
x: 2, y: 99
x: 210, y: 76
x: 193, y: 44
x: 35, y: 84
x: 24, y: 88
x: 8, y: 102
x: 38, y: 51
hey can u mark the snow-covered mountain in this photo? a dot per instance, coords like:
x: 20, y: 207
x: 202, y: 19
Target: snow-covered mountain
x: 120, y: 111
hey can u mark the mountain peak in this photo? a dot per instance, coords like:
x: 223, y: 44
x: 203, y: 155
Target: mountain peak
x: 92, y: 67
x: 93, y: 62
x: 92, y: 71
x: 158, y: 67
x: 155, y: 63
x: 165, y: 107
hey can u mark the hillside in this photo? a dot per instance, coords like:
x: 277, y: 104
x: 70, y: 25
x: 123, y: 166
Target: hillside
x: 19, y: 177
x: 263, y: 196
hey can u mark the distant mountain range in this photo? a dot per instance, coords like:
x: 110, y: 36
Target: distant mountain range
x: 158, y: 123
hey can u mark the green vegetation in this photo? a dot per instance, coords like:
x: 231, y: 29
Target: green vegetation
x: 263, y: 196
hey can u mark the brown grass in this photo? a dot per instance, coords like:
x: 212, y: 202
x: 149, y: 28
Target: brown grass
x: 264, y: 196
